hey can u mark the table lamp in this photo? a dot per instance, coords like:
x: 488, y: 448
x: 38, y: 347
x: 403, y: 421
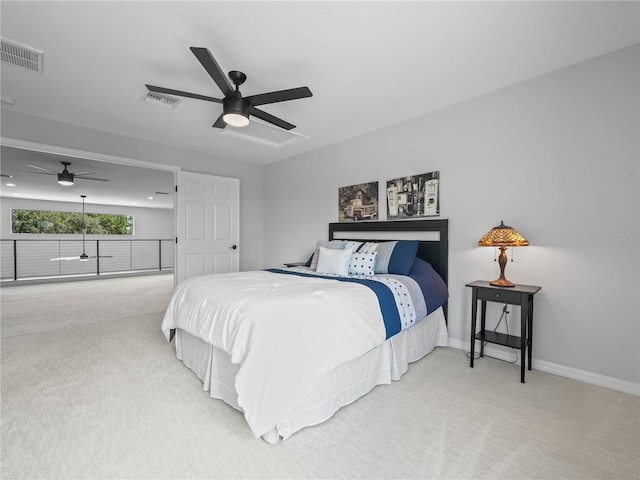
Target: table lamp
x: 502, y: 237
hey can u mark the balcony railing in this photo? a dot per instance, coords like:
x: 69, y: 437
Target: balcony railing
x: 28, y: 259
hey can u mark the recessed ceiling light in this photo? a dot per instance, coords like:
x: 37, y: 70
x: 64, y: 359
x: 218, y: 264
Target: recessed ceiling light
x: 10, y: 184
x: 149, y: 198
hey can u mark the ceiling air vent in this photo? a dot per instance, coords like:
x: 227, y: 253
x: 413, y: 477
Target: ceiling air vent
x: 22, y: 56
x: 161, y: 100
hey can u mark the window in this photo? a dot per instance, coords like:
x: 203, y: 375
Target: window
x: 43, y: 221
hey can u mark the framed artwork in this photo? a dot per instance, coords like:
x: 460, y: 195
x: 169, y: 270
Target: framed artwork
x: 358, y: 202
x: 416, y: 196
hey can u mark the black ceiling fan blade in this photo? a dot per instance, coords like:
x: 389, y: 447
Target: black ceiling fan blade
x: 180, y: 93
x: 42, y: 168
x: 267, y: 117
x: 279, y: 96
x: 91, y: 178
x: 213, y: 69
x: 39, y: 173
x: 220, y: 123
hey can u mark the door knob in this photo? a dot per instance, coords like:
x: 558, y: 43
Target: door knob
x: 233, y: 247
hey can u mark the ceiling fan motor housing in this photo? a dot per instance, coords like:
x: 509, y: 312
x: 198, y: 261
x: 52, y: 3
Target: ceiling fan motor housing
x: 65, y: 178
x: 235, y: 104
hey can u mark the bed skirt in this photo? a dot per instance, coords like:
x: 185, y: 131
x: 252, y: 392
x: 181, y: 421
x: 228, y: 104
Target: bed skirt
x: 341, y: 386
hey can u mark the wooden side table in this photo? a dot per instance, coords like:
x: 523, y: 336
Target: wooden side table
x: 521, y: 295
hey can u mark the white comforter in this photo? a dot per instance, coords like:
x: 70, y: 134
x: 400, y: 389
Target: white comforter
x: 284, y: 331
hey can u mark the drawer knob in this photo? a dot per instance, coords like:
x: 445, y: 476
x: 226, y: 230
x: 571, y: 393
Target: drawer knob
x: 497, y: 295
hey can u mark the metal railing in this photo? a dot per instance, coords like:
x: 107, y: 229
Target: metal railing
x: 31, y: 258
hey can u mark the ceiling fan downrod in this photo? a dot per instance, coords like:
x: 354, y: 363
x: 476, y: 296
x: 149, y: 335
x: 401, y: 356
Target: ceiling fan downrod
x: 238, y: 78
x: 84, y: 257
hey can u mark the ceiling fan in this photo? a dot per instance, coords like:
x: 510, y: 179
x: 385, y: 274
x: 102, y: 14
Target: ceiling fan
x: 83, y: 257
x: 236, y: 108
x: 66, y: 177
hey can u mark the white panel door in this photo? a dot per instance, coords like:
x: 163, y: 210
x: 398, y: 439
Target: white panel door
x: 208, y: 229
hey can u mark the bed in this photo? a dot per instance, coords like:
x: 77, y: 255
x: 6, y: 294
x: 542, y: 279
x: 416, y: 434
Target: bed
x: 290, y: 346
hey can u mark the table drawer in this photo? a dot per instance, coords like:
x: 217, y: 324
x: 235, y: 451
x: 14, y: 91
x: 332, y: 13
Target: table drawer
x: 495, y: 295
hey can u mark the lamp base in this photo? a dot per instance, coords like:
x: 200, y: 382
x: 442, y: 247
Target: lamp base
x: 502, y: 261
x: 502, y: 282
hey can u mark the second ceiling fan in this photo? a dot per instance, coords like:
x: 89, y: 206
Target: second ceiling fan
x: 83, y: 257
x: 66, y: 177
x: 236, y: 108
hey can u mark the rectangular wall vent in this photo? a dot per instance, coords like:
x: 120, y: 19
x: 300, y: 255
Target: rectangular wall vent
x: 22, y: 56
x: 161, y: 100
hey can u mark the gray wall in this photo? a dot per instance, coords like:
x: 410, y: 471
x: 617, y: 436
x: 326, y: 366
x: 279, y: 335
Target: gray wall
x: 556, y: 157
x: 49, y: 132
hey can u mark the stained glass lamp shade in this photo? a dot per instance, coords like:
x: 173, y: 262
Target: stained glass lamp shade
x: 503, y: 237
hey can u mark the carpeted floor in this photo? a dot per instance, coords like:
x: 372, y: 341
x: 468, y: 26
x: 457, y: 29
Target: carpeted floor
x: 91, y: 389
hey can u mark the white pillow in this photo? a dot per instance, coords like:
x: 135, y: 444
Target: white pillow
x: 335, y: 244
x: 333, y: 261
x: 362, y: 263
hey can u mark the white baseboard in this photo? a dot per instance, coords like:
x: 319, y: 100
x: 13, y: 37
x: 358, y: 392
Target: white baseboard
x: 560, y: 370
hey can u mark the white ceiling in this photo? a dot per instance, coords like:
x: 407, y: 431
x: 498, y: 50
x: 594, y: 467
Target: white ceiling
x: 368, y: 64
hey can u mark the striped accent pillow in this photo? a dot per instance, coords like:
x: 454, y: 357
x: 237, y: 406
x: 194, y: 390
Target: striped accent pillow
x: 353, y: 245
x: 392, y: 257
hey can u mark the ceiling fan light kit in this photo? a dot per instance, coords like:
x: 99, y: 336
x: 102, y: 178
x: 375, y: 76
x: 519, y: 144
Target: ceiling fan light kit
x: 236, y: 109
x: 65, y: 178
x: 236, y: 119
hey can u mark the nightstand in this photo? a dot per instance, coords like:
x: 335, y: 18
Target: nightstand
x: 521, y: 295
x: 295, y: 264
